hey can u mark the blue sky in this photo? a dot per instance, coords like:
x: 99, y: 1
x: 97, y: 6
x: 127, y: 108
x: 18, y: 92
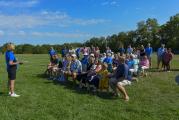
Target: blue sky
x: 61, y: 21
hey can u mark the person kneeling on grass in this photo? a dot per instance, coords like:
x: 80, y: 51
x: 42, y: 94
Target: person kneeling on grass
x: 119, y: 79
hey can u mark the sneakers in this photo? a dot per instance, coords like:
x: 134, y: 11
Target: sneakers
x: 14, y: 95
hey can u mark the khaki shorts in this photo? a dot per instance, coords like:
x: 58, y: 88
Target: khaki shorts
x: 124, y: 83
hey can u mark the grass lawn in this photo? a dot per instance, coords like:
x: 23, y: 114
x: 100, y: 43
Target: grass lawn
x: 153, y: 98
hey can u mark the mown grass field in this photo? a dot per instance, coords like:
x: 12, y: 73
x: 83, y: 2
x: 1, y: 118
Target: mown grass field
x: 153, y: 98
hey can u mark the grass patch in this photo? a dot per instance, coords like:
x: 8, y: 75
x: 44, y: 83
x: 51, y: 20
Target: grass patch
x: 155, y: 97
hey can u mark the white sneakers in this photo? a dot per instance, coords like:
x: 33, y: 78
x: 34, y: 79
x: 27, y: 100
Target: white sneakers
x: 13, y: 95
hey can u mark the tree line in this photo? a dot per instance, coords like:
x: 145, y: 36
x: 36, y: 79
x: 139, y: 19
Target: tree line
x: 148, y: 31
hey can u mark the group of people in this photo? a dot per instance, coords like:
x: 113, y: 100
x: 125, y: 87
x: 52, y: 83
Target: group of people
x: 96, y: 71
x: 164, y: 56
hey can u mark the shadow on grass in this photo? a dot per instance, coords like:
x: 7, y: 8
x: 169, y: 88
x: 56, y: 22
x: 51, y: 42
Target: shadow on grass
x: 3, y: 94
x: 41, y: 76
x: 75, y: 88
x: 154, y: 70
x: 174, y: 69
x: 157, y: 70
x: 70, y: 85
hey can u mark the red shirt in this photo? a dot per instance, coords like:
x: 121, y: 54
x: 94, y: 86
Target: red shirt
x: 168, y: 57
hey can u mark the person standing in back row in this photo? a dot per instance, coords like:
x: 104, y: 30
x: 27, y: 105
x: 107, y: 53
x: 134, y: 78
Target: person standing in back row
x: 129, y: 50
x: 51, y: 53
x: 149, y: 51
x: 11, y: 63
x: 160, y: 52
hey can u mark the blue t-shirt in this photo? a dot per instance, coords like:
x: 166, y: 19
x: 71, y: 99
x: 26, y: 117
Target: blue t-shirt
x: 108, y: 60
x: 10, y: 57
x: 52, y: 52
x: 130, y: 63
x: 76, y: 66
x: 84, y: 60
x: 64, y: 52
x: 121, y: 50
x: 121, y: 71
x: 65, y: 65
x: 148, y: 51
x: 129, y: 50
x: 78, y: 51
x: 160, y: 52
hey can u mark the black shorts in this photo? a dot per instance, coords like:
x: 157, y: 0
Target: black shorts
x: 12, y: 73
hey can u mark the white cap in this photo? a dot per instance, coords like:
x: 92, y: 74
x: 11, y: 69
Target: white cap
x: 109, y: 54
x: 134, y: 56
x: 92, y: 55
x: 85, y: 53
x: 73, y: 55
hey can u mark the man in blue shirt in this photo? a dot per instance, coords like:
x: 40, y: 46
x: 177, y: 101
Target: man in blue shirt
x: 121, y: 51
x: 51, y: 53
x: 129, y: 50
x: 160, y: 52
x: 119, y: 79
x: 78, y: 50
x: 149, y: 51
x: 64, y: 52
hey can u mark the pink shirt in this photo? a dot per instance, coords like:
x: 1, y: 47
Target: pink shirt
x: 144, y: 62
x: 85, y: 51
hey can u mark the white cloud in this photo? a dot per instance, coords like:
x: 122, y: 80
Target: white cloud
x: 44, y: 18
x: 110, y: 3
x: 19, y: 21
x: 60, y: 35
x: 18, y: 4
x: 21, y: 34
x: 88, y: 22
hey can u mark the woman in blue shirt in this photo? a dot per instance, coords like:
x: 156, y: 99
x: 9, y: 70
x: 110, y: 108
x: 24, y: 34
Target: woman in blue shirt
x: 11, y: 63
